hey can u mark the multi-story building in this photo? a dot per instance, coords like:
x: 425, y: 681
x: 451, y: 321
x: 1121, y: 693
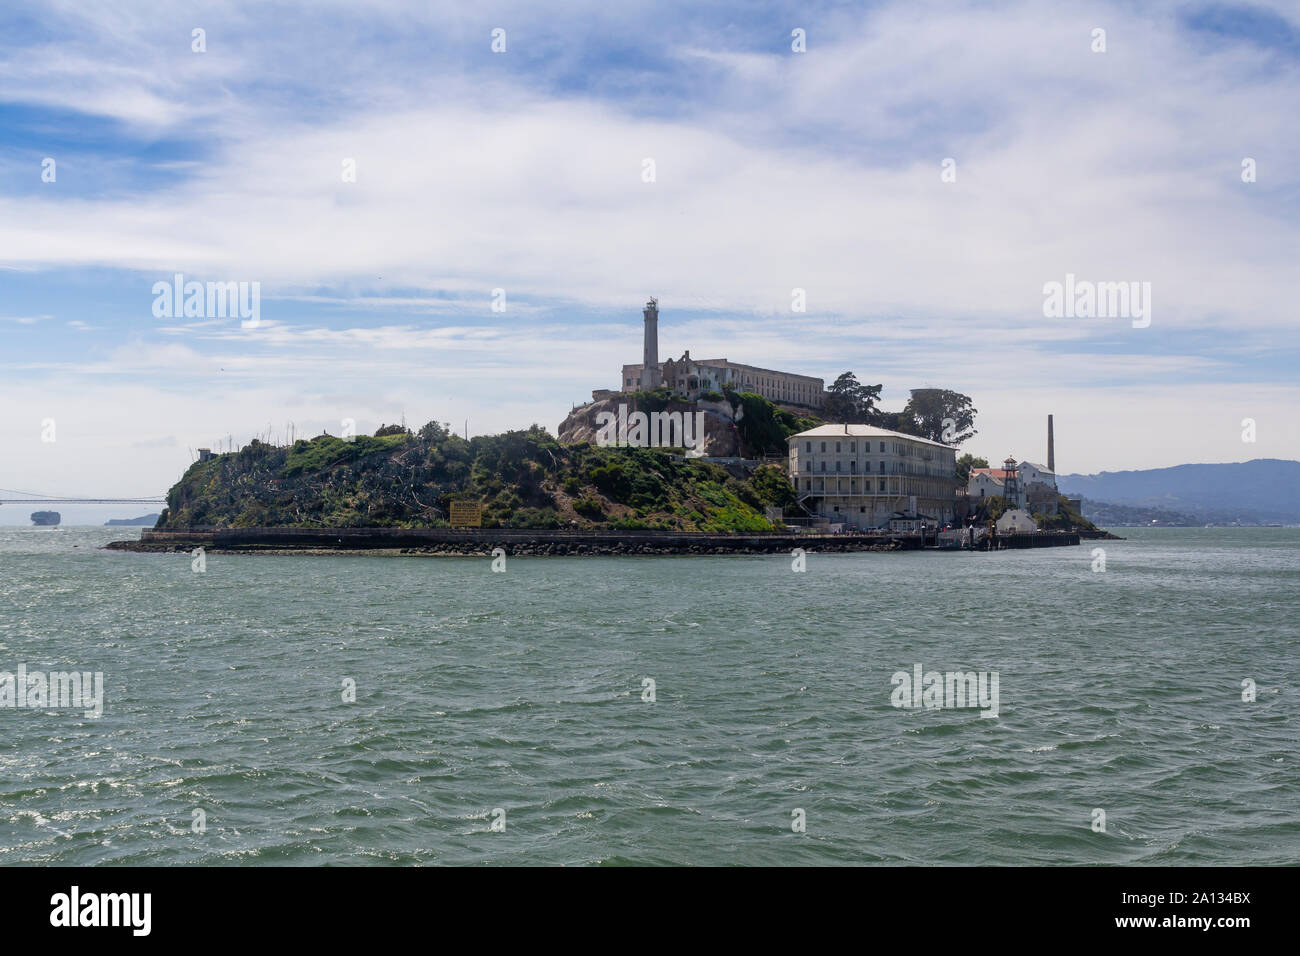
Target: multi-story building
x: 863, y: 476
x: 692, y: 378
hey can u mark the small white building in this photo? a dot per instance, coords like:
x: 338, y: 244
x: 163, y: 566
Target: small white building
x: 1016, y: 521
x: 1031, y: 472
x: 911, y: 522
x: 984, y: 483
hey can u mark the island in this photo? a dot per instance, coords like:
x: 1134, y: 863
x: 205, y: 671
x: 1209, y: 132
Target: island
x: 146, y: 520
x: 529, y: 492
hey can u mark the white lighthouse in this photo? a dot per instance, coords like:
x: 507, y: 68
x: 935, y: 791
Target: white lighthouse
x: 650, y: 374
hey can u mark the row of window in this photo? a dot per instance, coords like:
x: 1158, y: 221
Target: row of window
x: 939, y: 490
x: 866, y: 485
x: 782, y: 389
x: 897, y: 448
x: 884, y: 467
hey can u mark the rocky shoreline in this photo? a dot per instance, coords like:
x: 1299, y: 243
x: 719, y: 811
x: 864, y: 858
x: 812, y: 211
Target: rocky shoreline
x: 518, y: 542
x: 821, y: 544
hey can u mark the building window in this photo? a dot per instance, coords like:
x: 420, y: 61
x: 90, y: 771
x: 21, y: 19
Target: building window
x: 807, y: 465
x: 862, y: 511
x: 807, y: 446
x: 837, y: 448
x: 837, y: 465
x: 853, y: 446
x: 823, y: 446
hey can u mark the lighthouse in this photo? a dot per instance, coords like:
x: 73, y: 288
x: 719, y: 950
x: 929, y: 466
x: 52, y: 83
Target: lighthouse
x: 650, y: 375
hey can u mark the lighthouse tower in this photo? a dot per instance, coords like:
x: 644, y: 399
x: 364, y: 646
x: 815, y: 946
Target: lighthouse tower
x: 650, y: 375
x: 1011, y: 483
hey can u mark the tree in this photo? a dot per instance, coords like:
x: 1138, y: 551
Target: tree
x: 435, y: 432
x: 966, y: 462
x: 850, y: 403
x: 939, y: 415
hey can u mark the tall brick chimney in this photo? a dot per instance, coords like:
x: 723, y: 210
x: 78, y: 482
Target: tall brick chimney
x: 1051, y: 447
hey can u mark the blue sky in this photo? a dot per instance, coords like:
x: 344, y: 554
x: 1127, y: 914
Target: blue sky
x: 522, y: 170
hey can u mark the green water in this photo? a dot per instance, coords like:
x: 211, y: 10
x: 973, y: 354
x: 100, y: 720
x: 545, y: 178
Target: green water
x: 522, y: 690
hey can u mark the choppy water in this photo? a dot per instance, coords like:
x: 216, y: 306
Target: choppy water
x: 523, y: 691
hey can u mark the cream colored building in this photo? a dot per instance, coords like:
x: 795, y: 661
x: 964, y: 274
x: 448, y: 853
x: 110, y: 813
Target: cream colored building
x: 863, y: 476
x: 691, y: 378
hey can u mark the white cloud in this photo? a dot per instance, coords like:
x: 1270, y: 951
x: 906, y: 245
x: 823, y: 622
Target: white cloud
x: 819, y: 171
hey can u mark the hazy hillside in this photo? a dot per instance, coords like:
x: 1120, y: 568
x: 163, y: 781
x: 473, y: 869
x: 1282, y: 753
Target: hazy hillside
x: 1249, y: 492
x: 1106, y: 514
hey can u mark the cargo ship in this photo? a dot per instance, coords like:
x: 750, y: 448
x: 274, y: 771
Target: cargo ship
x: 45, y: 519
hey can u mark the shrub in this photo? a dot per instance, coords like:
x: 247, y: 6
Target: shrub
x: 589, y: 508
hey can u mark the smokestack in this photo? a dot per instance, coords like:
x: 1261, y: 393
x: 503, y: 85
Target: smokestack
x: 1051, y: 447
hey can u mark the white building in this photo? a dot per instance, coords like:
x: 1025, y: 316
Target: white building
x: 985, y: 483
x: 863, y: 476
x: 1031, y: 472
x: 1038, y: 488
x: 1016, y: 520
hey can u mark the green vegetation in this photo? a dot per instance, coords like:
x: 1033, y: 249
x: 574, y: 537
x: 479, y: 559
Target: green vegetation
x: 1067, y: 518
x: 763, y: 427
x: 851, y: 403
x: 968, y: 462
x: 525, y: 479
x: 993, y: 507
x: 938, y: 414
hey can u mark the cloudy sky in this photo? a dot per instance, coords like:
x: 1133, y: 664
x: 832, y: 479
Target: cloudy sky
x: 524, y: 170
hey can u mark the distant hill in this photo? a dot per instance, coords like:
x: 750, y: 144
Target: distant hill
x: 1106, y: 514
x: 1262, y: 491
x: 149, y: 520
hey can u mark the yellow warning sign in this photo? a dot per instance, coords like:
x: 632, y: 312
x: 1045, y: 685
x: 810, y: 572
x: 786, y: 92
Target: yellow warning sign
x: 466, y: 514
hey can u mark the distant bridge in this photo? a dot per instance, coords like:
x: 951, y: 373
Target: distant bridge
x: 36, y: 498
x: 82, y: 501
